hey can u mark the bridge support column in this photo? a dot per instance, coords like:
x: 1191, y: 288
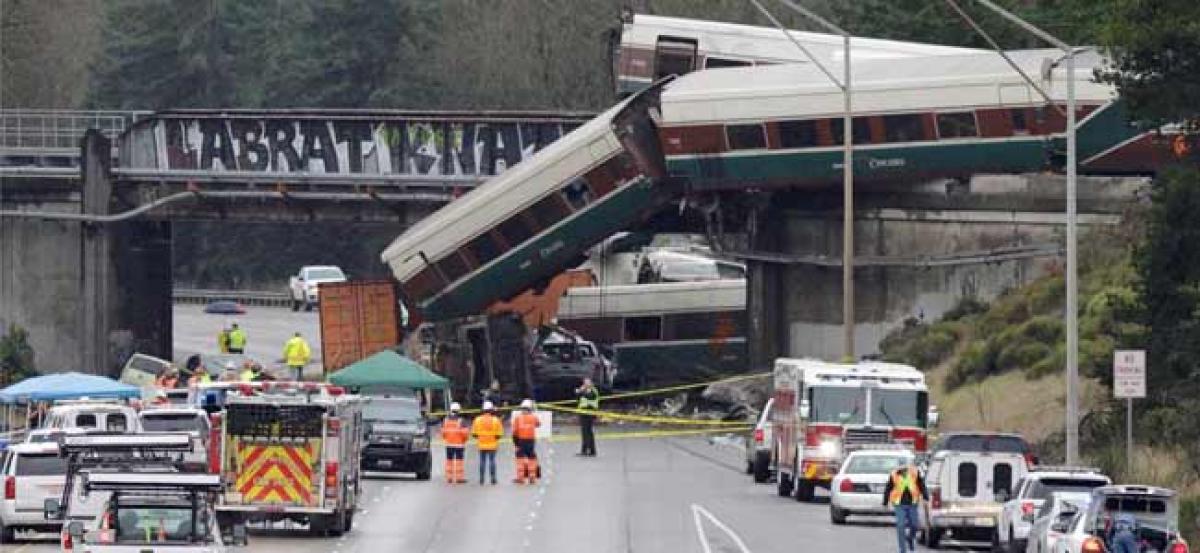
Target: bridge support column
x: 765, y: 313
x: 125, y: 275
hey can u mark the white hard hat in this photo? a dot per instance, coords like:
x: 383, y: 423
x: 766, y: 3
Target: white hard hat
x: 489, y: 406
x: 527, y: 404
x: 455, y: 407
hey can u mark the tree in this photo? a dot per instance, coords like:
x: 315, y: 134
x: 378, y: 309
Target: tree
x: 16, y: 356
x: 1155, y: 46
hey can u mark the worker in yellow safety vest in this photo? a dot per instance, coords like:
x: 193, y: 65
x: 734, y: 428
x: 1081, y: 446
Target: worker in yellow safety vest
x: 589, y: 401
x: 487, y: 430
x: 296, y: 354
x: 237, y: 339
x: 223, y: 340
x: 904, y: 491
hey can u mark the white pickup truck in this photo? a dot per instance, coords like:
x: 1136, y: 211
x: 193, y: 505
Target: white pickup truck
x: 303, y: 285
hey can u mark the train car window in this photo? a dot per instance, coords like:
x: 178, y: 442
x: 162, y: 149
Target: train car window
x: 903, y: 128
x: 674, y: 56
x: 484, y: 248
x: 957, y: 125
x: 798, y: 134
x: 746, y: 137
x: 643, y: 328
x: 453, y: 266
x: 862, y: 130
x: 716, y: 63
x: 577, y: 194
x: 1019, y: 124
x: 548, y: 211
x: 515, y: 231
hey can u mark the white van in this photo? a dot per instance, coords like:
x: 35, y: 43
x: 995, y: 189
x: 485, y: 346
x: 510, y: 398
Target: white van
x: 93, y: 415
x: 966, y: 493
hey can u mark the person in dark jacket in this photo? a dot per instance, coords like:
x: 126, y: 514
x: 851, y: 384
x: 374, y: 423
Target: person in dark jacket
x: 904, y: 491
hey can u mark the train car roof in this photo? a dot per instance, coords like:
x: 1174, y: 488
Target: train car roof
x: 801, y: 90
x: 513, y: 185
x: 768, y: 43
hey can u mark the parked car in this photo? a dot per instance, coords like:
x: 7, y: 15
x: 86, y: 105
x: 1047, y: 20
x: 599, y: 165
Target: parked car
x: 397, y: 436
x: 566, y: 359
x: 303, y: 286
x: 225, y: 307
x: 758, y: 446
x: 1054, y: 519
x: 1016, y: 517
x: 182, y: 420
x: 92, y: 414
x: 966, y: 490
x: 32, y: 474
x: 986, y: 441
x: 1156, y: 511
x: 858, y: 487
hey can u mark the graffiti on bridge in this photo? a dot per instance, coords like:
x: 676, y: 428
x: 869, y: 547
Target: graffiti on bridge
x: 344, y: 146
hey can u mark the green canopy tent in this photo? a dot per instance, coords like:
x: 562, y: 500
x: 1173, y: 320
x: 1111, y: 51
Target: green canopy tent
x: 388, y: 370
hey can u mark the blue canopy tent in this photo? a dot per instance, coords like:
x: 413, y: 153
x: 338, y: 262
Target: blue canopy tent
x: 72, y: 385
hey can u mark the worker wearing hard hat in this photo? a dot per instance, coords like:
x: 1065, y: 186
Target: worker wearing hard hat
x: 487, y: 430
x: 455, y: 434
x: 524, y: 429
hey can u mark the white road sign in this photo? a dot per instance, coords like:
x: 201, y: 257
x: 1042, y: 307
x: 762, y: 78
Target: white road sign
x: 1129, y: 373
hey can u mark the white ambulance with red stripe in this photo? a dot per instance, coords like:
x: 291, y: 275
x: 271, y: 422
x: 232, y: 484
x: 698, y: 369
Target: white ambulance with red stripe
x: 822, y: 410
x: 289, y: 451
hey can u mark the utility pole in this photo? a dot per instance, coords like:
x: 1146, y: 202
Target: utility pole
x: 1072, y: 307
x: 847, y: 159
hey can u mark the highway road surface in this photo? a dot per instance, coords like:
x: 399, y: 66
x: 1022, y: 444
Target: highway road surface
x: 267, y: 328
x: 639, y: 495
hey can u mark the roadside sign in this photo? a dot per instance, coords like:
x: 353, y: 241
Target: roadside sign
x: 1129, y: 373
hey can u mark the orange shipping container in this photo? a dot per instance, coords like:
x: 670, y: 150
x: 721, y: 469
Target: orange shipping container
x: 358, y: 318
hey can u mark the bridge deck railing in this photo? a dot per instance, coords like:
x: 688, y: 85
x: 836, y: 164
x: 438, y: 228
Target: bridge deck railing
x: 50, y: 129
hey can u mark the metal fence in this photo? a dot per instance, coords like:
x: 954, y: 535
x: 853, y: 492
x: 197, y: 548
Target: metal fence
x: 46, y: 129
x: 244, y: 297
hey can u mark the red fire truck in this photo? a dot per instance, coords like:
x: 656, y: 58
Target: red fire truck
x: 823, y: 410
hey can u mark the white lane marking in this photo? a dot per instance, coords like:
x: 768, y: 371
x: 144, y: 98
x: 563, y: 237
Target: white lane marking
x: 697, y: 512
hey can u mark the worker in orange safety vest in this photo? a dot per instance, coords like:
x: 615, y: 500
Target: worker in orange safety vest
x: 455, y: 433
x: 524, y: 429
x: 487, y: 430
x: 904, y: 491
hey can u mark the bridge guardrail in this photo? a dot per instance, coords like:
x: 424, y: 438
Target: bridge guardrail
x: 244, y: 297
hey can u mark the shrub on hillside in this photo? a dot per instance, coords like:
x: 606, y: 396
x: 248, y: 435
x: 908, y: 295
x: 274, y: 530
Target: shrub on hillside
x: 920, y: 345
x: 974, y: 362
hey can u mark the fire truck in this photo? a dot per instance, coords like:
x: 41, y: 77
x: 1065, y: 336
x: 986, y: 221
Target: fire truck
x: 823, y: 410
x: 289, y: 451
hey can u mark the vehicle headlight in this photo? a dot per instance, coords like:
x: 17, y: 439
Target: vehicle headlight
x: 420, y: 442
x: 830, y: 448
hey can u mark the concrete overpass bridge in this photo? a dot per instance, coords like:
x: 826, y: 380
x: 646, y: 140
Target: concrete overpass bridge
x: 87, y: 199
x: 86, y: 231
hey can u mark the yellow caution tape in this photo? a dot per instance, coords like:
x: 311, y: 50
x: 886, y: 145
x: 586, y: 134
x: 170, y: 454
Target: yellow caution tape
x: 610, y: 415
x: 649, y: 434
x: 623, y: 395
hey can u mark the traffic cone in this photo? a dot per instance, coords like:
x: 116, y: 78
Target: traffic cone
x: 521, y: 468
x: 533, y: 470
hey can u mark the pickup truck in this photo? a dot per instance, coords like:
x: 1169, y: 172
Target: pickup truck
x: 303, y: 285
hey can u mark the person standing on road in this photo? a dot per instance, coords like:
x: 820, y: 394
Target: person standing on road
x: 237, y: 339
x: 904, y: 491
x: 455, y: 434
x: 296, y: 354
x: 223, y: 340
x: 589, y: 400
x: 524, y: 429
x: 487, y: 430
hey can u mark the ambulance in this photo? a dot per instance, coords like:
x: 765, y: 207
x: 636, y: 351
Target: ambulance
x: 289, y: 451
x: 822, y: 410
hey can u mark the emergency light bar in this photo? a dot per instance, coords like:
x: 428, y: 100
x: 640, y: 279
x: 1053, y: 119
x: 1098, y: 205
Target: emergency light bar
x: 140, y: 481
x: 127, y: 443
